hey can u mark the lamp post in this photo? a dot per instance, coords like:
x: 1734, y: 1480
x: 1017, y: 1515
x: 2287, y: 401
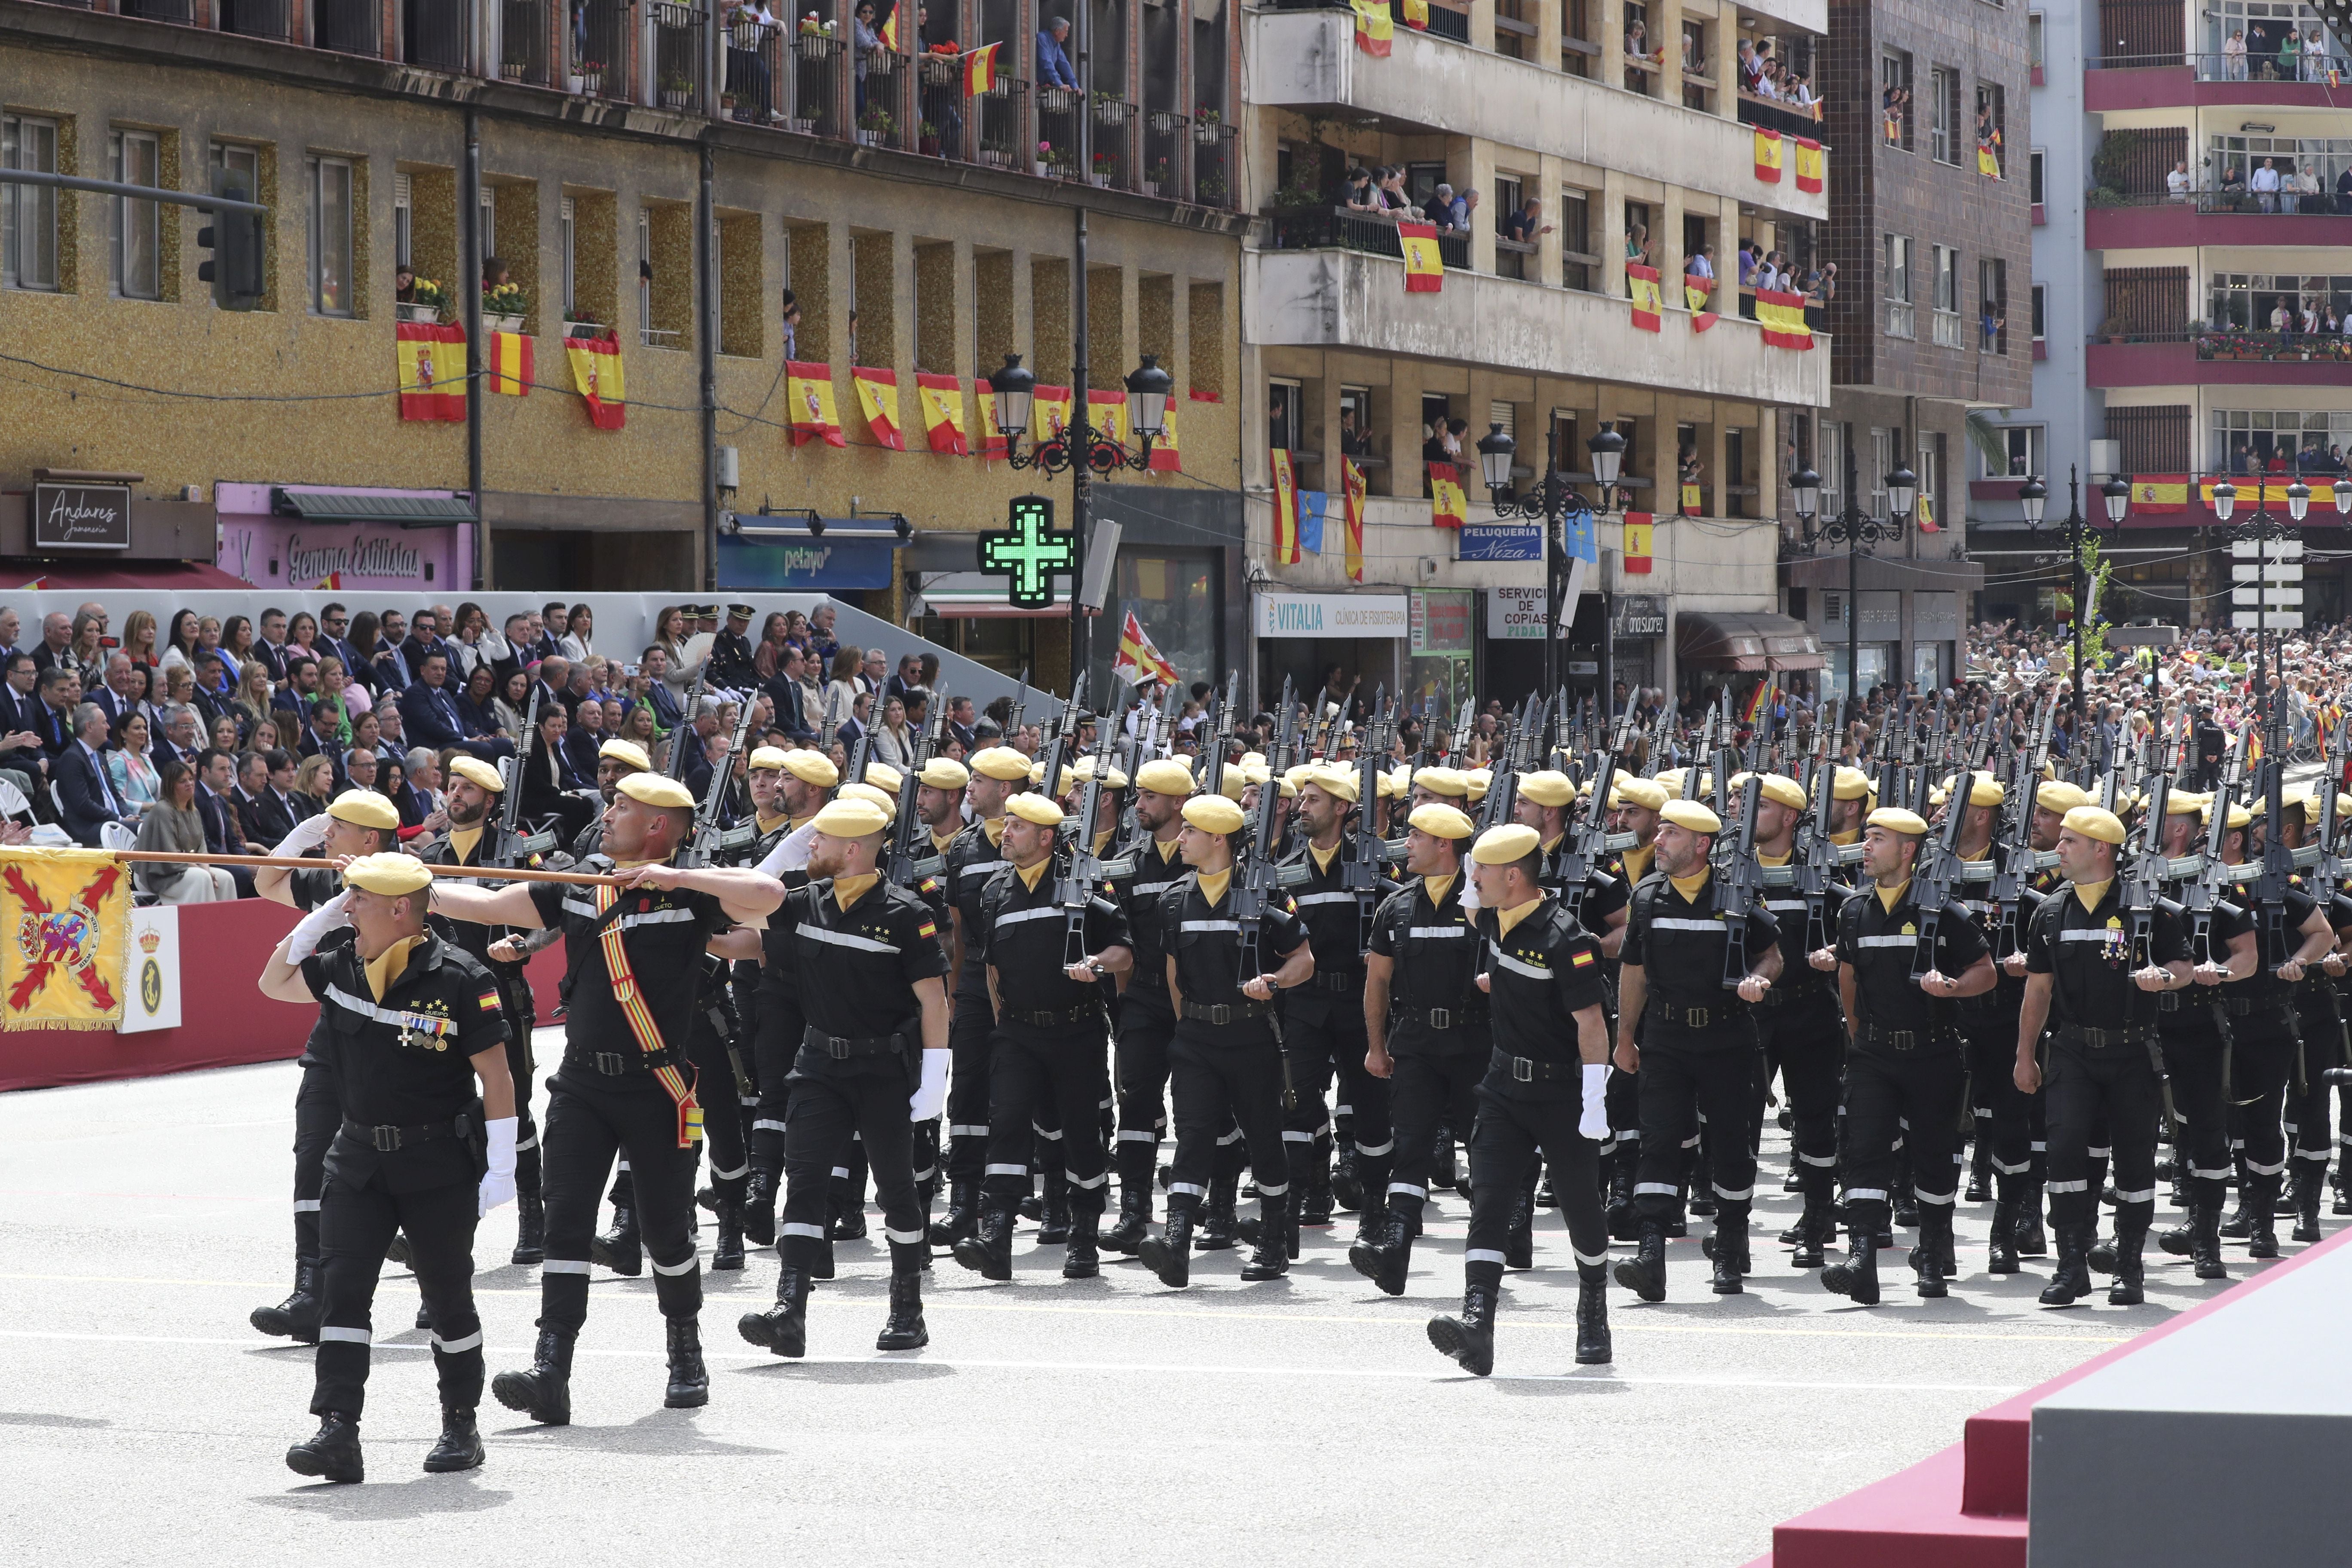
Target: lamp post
x: 1554, y: 501
x: 1083, y: 452
x: 1857, y: 531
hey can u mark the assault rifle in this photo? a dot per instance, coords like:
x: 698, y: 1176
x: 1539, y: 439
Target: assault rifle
x: 1503, y: 783
x: 1221, y: 735
x: 1255, y: 889
x: 1738, y: 882
x: 1082, y: 872
x: 1938, y: 870
x: 906, y: 869
x: 1012, y: 715
x: 707, y: 838
x: 1361, y: 875
x: 2203, y: 895
x: 1587, y: 839
x: 679, y: 736
x: 2278, y: 858
x: 1065, y: 737
x: 511, y: 847
x: 2010, y: 883
x: 2143, y: 886
x: 1817, y: 870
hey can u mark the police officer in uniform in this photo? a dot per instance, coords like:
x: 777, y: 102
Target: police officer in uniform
x: 2191, y: 1028
x: 1146, y: 1021
x: 1050, y: 1036
x: 1545, y: 1087
x: 409, y: 1023
x: 1906, y: 1076
x: 972, y: 861
x: 634, y: 948
x: 855, y: 970
x: 807, y: 780
x: 1225, y: 1061
x: 1697, y: 1043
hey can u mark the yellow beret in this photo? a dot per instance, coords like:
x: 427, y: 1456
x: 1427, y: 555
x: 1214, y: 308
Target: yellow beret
x: 1392, y: 785
x: 1252, y: 759
x: 1647, y: 794
x: 2185, y: 803
x: 1503, y: 846
x: 1000, y: 763
x: 1301, y: 772
x: 1442, y: 781
x: 1671, y: 780
x: 766, y: 758
x: 883, y: 777
x: 2239, y: 815
x: 1777, y: 787
x: 1691, y: 814
x: 812, y: 767
x: 1441, y: 821
x: 1548, y: 786
x: 1232, y: 781
x: 851, y: 817
x: 1168, y: 775
x: 1036, y: 808
x: 365, y: 808
x: 945, y: 773
x: 1895, y: 819
x: 1037, y: 773
x: 1986, y: 789
x: 1112, y: 777
x: 871, y: 793
x: 628, y: 754
x: 390, y: 873
x: 1852, y: 784
x: 656, y: 789
x: 2095, y: 822
x: 1213, y: 812
x: 473, y: 770
x: 1336, y: 783
x: 2053, y: 794
x: 1480, y: 780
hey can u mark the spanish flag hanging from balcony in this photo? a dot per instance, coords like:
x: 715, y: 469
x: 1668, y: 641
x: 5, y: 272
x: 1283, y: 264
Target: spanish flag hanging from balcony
x: 1448, y: 507
x: 1696, y: 295
x: 1768, y: 157
x: 980, y: 70
x: 1643, y: 283
x: 992, y: 438
x: 2160, y: 492
x: 432, y: 370
x: 511, y: 367
x: 1782, y: 317
x: 1107, y: 414
x: 1287, y: 547
x: 941, y: 397
x: 1415, y: 14
x: 1374, y: 29
x: 1927, y: 523
x: 1351, y: 509
x: 596, y: 372
x: 1637, y: 544
x: 1424, y: 266
x: 808, y: 404
x: 1811, y: 165
x: 1694, y: 499
x: 1988, y: 165
x: 877, y: 399
x: 69, y: 914
x: 1166, y: 456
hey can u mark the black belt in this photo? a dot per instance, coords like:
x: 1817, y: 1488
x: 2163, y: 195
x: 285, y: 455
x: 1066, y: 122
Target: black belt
x: 841, y: 1047
x: 1055, y: 1018
x: 1904, y: 1039
x: 1704, y: 1017
x: 1444, y: 1017
x: 612, y: 1064
x: 1527, y: 1069
x: 2247, y: 1007
x: 1223, y: 1012
x: 387, y: 1140
x: 2100, y: 1040
x: 1342, y: 980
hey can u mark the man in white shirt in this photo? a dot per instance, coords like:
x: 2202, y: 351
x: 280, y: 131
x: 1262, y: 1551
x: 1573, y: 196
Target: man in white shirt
x: 2175, y: 184
x: 2264, y: 184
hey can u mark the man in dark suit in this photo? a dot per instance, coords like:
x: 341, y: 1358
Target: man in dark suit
x: 52, y: 715
x: 334, y: 622
x: 277, y: 811
x: 790, y: 700
x: 224, y: 835
x: 11, y: 628
x: 110, y: 695
x: 391, y: 668
x: 180, y: 740
x: 20, y: 720
x: 422, y: 643
x: 86, y: 795
x: 321, y: 737
x: 246, y: 795
x: 269, y: 643
x: 428, y: 714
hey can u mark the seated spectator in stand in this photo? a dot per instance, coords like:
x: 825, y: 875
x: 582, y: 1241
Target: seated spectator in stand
x: 391, y: 669
x: 319, y: 739
x: 359, y: 771
x: 1053, y: 67
x: 182, y: 737
x: 314, y: 786
x: 224, y: 833
x: 550, y: 780
x: 585, y: 736
x: 423, y: 769
x: 478, y: 701
x: 130, y: 768
x: 367, y: 735
x: 21, y: 726
x: 86, y: 798
x: 172, y: 824
x: 428, y: 714
x: 279, y: 807
x: 252, y: 783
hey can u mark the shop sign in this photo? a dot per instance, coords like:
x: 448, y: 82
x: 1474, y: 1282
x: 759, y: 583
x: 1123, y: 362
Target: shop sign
x: 1499, y: 542
x: 1441, y: 621
x: 1335, y: 616
x: 81, y: 517
x: 1641, y: 615
x: 1516, y: 614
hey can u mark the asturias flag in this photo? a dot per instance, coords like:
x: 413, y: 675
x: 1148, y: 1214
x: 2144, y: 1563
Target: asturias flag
x: 432, y: 370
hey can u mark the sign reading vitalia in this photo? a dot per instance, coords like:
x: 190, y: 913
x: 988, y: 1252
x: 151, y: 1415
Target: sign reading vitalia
x: 1332, y: 615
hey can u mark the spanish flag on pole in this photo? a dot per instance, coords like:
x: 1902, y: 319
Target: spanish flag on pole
x: 1637, y: 544
x: 1755, y: 701
x: 432, y: 370
x: 2160, y: 492
x: 941, y: 397
x: 1782, y: 317
x: 1138, y: 660
x: 1286, y: 548
x: 1811, y: 165
x: 1374, y: 27
x: 808, y: 401
x: 1643, y: 282
x: 512, y: 369
x: 1768, y: 157
x: 1166, y: 456
x: 877, y: 399
x: 980, y: 70
x: 1424, y: 267
x: 596, y: 372
x: 1351, y: 502
x: 1448, y: 507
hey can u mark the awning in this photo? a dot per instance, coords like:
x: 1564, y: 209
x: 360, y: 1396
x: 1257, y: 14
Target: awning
x: 354, y: 506
x: 957, y: 596
x: 1756, y: 643
x: 85, y: 576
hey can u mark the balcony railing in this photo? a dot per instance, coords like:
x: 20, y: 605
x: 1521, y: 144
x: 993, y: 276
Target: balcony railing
x: 939, y: 106
x: 2278, y: 348
x: 1058, y: 108
x: 1166, y: 140
x: 677, y: 54
x: 1786, y: 119
x: 600, y: 49
x: 1114, y: 143
x: 435, y: 34
x: 180, y: 11
x: 1005, y: 142
x: 1327, y: 228
x: 881, y: 108
x: 818, y: 108
x: 754, y: 64
x: 2324, y: 68
x: 346, y: 27
x: 1213, y: 163
x: 2237, y: 201
x: 253, y: 18
x: 524, y: 29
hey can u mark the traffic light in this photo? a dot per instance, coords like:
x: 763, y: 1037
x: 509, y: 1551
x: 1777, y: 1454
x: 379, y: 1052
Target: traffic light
x: 233, y: 240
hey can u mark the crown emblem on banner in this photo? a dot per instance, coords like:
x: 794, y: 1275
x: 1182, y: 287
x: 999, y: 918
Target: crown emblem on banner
x: 149, y: 941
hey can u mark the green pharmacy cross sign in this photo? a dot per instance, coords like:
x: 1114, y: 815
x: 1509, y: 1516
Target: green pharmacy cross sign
x: 1028, y: 552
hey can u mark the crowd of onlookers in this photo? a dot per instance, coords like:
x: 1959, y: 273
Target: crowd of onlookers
x: 2278, y: 52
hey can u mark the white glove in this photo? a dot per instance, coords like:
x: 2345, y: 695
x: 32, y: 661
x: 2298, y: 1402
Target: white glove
x: 1470, y: 892
x: 793, y: 853
x: 1595, y: 1123
x: 931, y: 1096
x: 312, y: 928
x: 308, y: 835
x: 499, y: 1182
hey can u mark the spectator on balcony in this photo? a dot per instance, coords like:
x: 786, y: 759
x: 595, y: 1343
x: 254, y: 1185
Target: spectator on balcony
x: 1747, y: 264
x: 2344, y: 190
x: 1450, y: 210
x: 1356, y: 193
x: 1798, y: 90
x: 1393, y: 195
x: 2290, y: 54
x: 869, y: 42
x: 1698, y: 270
x: 1772, y: 272
x: 1637, y: 42
x: 2290, y: 190
x: 2233, y: 55
x: 1354, y: 442
x: 747, y: 23
x: 2307, y: 191
x: 792, y: 324
x: 2265, y: 186
x: 1526, y: 223
x: 1752, y: 68
x: 1637, y: 249
x: 404, y: 284
x: 2315, y: 62
x: 1893, y: 105
x: 1053, y: 67
x: 2178, y: 182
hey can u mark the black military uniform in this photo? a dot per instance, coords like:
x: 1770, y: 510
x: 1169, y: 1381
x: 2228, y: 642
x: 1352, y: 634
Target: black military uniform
x: 1629, y: 868
x: 843, y: 982
x: 2192, y: 1026
x: 1907, y: 1078
x: 1801, y: 1025
x: 408, y: 1155
x: 2266, y: 1046
x: 772, y: 1062
x: 2010, y: 1123
x: 1147, y: 1022
x: 316, y: 1118
x: 973, y: 860
x: 1325, y: 1022
x: 2319, y: 1018
x: 1440, y: 1035
x: 2102, y: 1063
x: 730, y: 667
x: 624, y: 1087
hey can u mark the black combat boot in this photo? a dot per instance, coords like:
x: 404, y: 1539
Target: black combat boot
x: 2239, y: 1224
x: 1815, y: 1229
x: 460, y: 1447
x: 1470, y: 1338
x: 1346, y: 1188
x: 2180, y: 1241
x: 530, y: 1229
x: 2205, y: 1242
x: 989, y: 1251
x: 1979, y: 1170
x: 963, y: 1216
x: 2101, y: 1254
x: 2130, y: 1273
x: 1373, y: 1220
x: 2000, y: 1254
x: 1592, y: 1346
x: 2031, y: 1239
x: 1311, y: 1187
x: 1053, y: 1224
x: 1519, y: 1239
x: 783, y: 1328
x: 1857, y: 1278
x: 1134, y: 1221
x: 2072, y: 1282
x: 1622, y: 1224
x: 729, y: 1252
x: 1170, y: 1254
x: 1385, y: 1258
x: 544, y: 1393
x: 2307, y: 1201
x: 1727, y: 1247
x: 848, y: 1219
x: 1644, y: 1273
x: 618, y: 1249
x: 1932, y: 1257
x: 905, y: 1329
x: 2262, y: 1234
x: 1442, y: 1170
x: 1084, y: 1261
x: 296, y: 1316
x: 1217, y: 1218
x: 760, y: 1208
x: 2343, y: 1202
x: 331, y: 1453
x: 1270, y: 1259
x: 689, y: 1380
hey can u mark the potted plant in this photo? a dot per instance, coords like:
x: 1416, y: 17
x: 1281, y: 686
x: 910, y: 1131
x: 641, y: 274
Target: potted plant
x: 588, y: 78
x: 1208, y: 127
x: 576, y: 325
x: 1044, y: 161
x: 510, y: 70
x: 1110, y: 110
x: 504, y: 307
x: 727, y: 105
x: 2111, y: 329
x: 676, y: 87
x: 875, y: 126
x: 1157, y: 181
x: 1213, y: 190
x: 1106, y: 165
x: 426, y: 300
x: 927, y: 137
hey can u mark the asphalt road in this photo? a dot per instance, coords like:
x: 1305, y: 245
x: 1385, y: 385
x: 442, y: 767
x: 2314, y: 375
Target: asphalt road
x: 1307, y: 1421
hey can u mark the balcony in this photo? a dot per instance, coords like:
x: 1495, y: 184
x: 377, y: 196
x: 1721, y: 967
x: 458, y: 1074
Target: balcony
x: 2220, y: 359
x: 2215, y: 217
x: 2203, y: 81
x: 1342, y: 297
x: 1308, y: 59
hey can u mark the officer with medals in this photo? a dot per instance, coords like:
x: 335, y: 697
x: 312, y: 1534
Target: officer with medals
x: 1147, y: 1019
x: 1633, y: 806
x: 1697, y: 1042
x: 730, y: 667
x: 1545, y: 1087
x: 805, y: 781
x: 972, y: 861
x: 1906, y: 1076
x: 1224, y: 1060
x: 634, y: 948
x: 855, y: 970
x: 2189, y: 1026
x: 408, y: 1025
x: 2082, y: 972
x: 1050, y: 1033
x: 1426, y: 1028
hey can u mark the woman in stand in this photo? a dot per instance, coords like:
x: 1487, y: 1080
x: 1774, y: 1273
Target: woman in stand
x: 249, y: 705
x: 130, y: 765
x: 513, y: 701
x: 180, y: 647
x: 579, y: 639
x: 674, y: 635
x: 88, y: 627
x: 767, y: 658
x: 477, y: 700
x: 139, y: 639
x: 842, y: 691
x: 170, y: 823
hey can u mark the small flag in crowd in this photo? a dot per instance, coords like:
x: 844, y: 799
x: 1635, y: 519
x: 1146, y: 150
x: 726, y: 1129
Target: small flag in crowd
x: 877, y: 399
x: 1373, y: 27
x: 1643, y: 282
x: 1286, y: 510
x: 1811, y: 165
x: 1138, y: 660
x: 1756, y: 700
x: 330, y: 583
x: 1637, y: 543
x: 808, y: 401
x: 1352, y: 504
x: 596, y: 372
x: 432, y: 370
x: 1424, y: 267
x: 1449, y: 508
x: 1768, y: 157
x: 512, y: 368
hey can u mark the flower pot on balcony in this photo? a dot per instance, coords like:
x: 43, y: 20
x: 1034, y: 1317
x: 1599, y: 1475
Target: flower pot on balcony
x: 425, y: 313
x: 1044, y: 171
x: 577, y: 84
x: 805, y: 124
x: 1103, y: 180
x: 930, y: 145
x: 510, y: 70
x: 494, y: 323
x: 1151, y: 187
x: 1208, y: 135
x: 869, y: 139
x: 674, y: 97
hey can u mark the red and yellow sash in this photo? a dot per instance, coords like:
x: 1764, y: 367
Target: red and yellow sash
x: 640, y: 1020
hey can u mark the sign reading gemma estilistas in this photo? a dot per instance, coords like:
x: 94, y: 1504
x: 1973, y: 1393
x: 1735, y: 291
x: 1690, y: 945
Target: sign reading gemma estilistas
x: 81, y: 517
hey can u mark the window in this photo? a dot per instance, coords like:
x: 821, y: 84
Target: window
x: 1882, y: 463
x: 2245, y: 301
x: 330, y: 236
x: 2037, y: 317
x: 1947, y: 296
x: 1992, y: 305
x: 2034, y: 41
x: 1929, y: 466
x: 490, y: 223
x: 28, y: 213
x: 1355, y: 421
x: 1992, y: 122
x: 2025, y: 449
x: 1579, y: 267
x: 1900, y: 322
x: 1286, y: 415
x: 1895, y: 98
x: 134, y: 229
x: 2033, y: 177
x: 245, y: 162
x: 646, y: 281
x: 404, y: 223
x: 569, y: 237
x: 2247, y: 439
x: 1944, y: 107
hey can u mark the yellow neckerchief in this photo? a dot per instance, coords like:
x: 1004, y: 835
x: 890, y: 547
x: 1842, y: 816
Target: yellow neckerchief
x: 1636, y: 861
x: 800, y: 821
x: 2092, y: 892
x: 1323, y: 858
x: 1031, y: 875
x: 1849, y: 837
x: 1986, y: 854
x: 938, y: 844
x: 770, y: 824
x: 1689, y: 887
x: 1765, y: 857
x: 1435, y: 886
x: 1103, y: 839
x: 390, y: 964
x: 1167, y: 848
x: 1887, y: 901
x: 848, y: 891
x: 464, y: 841
x: 1505, y: 919
x: 1213, y: 885
x: 994, y: 826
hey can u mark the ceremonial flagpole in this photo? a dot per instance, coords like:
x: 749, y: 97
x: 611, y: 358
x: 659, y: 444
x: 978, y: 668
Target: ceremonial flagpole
x: 291, y: 863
